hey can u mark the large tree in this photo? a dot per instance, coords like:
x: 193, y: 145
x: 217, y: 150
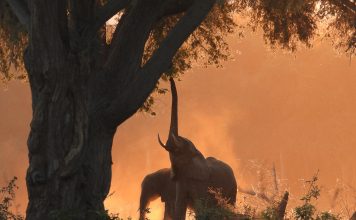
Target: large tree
x: 88, y: 76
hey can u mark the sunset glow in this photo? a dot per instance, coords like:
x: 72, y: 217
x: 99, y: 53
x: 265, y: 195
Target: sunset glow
x: 296, y: 111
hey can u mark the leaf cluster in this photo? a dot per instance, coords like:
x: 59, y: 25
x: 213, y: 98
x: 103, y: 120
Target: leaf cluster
x: 341, y: 18
x: 13, y: 39
x: 285, y: 23
x: 7, y: 196
x: 307, y: 211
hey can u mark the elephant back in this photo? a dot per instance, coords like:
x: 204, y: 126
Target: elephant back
x: 222, y: 177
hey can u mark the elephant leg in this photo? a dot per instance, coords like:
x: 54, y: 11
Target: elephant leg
x: 168, y: 211
x: 145, y: 199
x: 181, y: 210
x: 181, y: 203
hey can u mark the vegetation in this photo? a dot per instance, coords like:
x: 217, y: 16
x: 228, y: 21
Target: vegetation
x: 305, y: 211
x: 85, y: 82
x: 7, y: 197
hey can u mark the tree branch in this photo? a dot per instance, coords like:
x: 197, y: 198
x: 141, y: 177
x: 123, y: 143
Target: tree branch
x: 133, y: 30
x: 20, y: 9
x: 178, y: 6
x: 162, y: 58
x: 260, y: 195
x: 132, y: 98
x: 108, y: 11
x: 345, y: 5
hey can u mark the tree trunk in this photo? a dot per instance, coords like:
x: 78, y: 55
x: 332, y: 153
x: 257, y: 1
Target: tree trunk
x: 69, y: 151
x: 69, y: 173
x: 82, y: 90
x: 79, y: 196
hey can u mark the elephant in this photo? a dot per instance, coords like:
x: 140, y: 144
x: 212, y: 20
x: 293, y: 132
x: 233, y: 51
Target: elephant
x: 155, y: 185
x: 192, y: 172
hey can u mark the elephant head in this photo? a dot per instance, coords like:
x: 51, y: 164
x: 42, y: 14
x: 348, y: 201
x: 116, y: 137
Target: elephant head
x: 186, y: 160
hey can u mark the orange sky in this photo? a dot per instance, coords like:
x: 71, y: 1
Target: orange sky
x: 294, y: 110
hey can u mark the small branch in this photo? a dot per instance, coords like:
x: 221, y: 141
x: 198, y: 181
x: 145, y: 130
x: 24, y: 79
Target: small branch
x: 345, y: 5
x: 20, y: 9
x: 108, y: 11
x: 257, y: 194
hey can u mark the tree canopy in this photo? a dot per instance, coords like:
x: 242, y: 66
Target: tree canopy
x: 285, y: 24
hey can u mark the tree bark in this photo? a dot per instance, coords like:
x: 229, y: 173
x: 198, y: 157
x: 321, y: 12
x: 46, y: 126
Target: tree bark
x: 80, y: 95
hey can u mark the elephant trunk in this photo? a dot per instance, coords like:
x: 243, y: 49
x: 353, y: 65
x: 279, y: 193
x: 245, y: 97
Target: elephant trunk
x: 173, y: 130
x: 174, y: 114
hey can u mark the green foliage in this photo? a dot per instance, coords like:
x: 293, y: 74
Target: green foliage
x: 204, y: 211
x: 269, y: 214
x: 313, y: 190
x: 13, y: 40
x: 287, y: 22
x: 341, y: 18
x: 284, y: 23
x: 307, y: 210
x: 216, y: 207
x: 327, y: 216
x: 7, y: 196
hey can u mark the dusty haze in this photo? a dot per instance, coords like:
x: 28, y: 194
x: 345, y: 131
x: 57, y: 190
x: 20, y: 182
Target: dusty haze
x: 295, y: 111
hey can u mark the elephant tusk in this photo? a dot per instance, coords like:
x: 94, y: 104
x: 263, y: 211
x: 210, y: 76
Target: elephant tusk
x: 161, y: 143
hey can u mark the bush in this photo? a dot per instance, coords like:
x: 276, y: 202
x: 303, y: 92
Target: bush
x: 307, y: 210
x: 7, y: 197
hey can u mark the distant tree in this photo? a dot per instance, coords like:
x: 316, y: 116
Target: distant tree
x: 85, y: 82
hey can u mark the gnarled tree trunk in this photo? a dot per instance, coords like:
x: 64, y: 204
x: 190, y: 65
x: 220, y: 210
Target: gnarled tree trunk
x: 83, y: 88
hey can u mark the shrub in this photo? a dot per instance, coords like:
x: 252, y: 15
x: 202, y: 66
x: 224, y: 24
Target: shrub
x: 307, y: 211
x: 7, y: 197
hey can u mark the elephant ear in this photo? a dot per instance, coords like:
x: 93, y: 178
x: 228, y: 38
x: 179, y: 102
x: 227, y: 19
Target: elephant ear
x: 198, y: 170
